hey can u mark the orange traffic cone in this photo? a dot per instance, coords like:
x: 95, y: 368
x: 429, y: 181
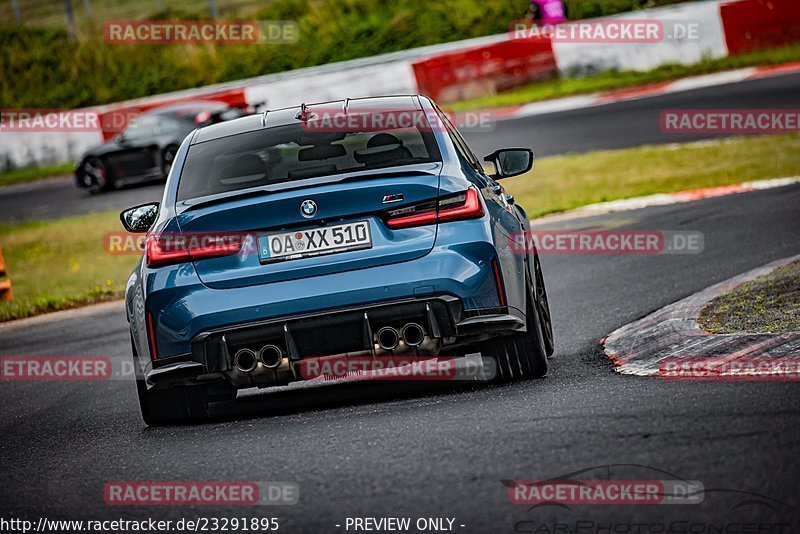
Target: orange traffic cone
x: 6, y: 292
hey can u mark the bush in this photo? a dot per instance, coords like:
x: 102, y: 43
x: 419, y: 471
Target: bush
x: 42, y: 68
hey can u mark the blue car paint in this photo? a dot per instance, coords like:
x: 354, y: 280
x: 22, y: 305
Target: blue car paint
x: 445, y: 259
x: 334, y: 202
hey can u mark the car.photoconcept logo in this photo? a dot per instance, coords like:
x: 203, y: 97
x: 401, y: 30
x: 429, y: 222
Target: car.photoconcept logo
x: 308, y: 208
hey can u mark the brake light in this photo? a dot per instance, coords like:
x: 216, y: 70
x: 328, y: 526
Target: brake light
x: 163, y: 250
x: 465, y: 205
x: 202, y: 117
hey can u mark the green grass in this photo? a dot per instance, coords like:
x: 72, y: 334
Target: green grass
x: 61, y: 264
x: 29, y: 174
x: 51, y: 13
x: 564, y: 182
x: 770, y: 303
x: 608, y: 81
x: 42, y: 68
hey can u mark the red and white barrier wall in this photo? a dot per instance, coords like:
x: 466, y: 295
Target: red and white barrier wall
x: 754, y: 24
x: 586, y: 58
x: 454, y: 71
x: 485, y: 70
x: 723, y: 27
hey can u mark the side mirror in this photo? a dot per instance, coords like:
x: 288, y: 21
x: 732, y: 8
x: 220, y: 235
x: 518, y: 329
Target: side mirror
x: 139, y: 219
x: 510, y: 161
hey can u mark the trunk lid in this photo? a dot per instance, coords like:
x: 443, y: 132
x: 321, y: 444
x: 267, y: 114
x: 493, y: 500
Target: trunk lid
x: 339, y: 200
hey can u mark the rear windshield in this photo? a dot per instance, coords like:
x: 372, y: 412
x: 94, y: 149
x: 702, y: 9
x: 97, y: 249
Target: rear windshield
x: 295, y: 152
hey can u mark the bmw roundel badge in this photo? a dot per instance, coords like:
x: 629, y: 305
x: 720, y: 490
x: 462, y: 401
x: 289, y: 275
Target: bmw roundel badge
x: 308, y: 208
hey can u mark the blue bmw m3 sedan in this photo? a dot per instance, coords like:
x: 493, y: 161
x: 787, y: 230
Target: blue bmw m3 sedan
x: 356, y: 228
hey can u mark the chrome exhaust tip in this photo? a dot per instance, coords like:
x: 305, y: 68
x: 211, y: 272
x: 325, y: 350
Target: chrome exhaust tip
x: 413, y: 334
x: 388, y: 338
x: 271, y: 356
x: 245, y: 360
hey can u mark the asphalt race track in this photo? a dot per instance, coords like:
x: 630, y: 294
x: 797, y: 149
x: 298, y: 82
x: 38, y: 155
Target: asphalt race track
x: 442, y: 451
x: 635, y: 122
x: 618, y: 125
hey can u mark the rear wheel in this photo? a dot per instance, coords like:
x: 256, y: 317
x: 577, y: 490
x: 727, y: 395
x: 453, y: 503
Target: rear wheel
x: 167, y: 158
x: 95, y: 175
x: 543, y: 307
x: 174, y: 405
x: 520, y: 355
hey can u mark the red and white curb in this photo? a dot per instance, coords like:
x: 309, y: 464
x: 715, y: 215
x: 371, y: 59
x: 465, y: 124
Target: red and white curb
x: 641, y: 347
x: 637, y: 93
x: 665, y: 199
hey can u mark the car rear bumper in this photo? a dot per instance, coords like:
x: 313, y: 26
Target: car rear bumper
x: 184, y: 311
x: 344, y: 331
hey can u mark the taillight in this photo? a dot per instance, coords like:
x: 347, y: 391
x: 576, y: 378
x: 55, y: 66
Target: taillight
x: 464, y: 205
x: 202, y: 117
x: 169, y: 249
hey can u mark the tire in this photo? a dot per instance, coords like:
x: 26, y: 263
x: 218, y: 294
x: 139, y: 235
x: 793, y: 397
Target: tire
x: 95, y: 170
x: 167, y: 158
x: 520, y: 355
x: 543, y: 307
x: 175, y: 405
x: 532, y: 344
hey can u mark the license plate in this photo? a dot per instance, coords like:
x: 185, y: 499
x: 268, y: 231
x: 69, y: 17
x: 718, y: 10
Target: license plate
x: 314, y: 242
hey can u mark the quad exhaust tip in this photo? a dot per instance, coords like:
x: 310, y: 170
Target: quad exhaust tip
x: 245, y: 360
x: 388, y: 338
x: 270, y: 356
x: 413, y: 334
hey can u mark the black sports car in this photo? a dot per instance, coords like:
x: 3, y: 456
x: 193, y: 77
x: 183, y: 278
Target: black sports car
x: 144, y: 150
